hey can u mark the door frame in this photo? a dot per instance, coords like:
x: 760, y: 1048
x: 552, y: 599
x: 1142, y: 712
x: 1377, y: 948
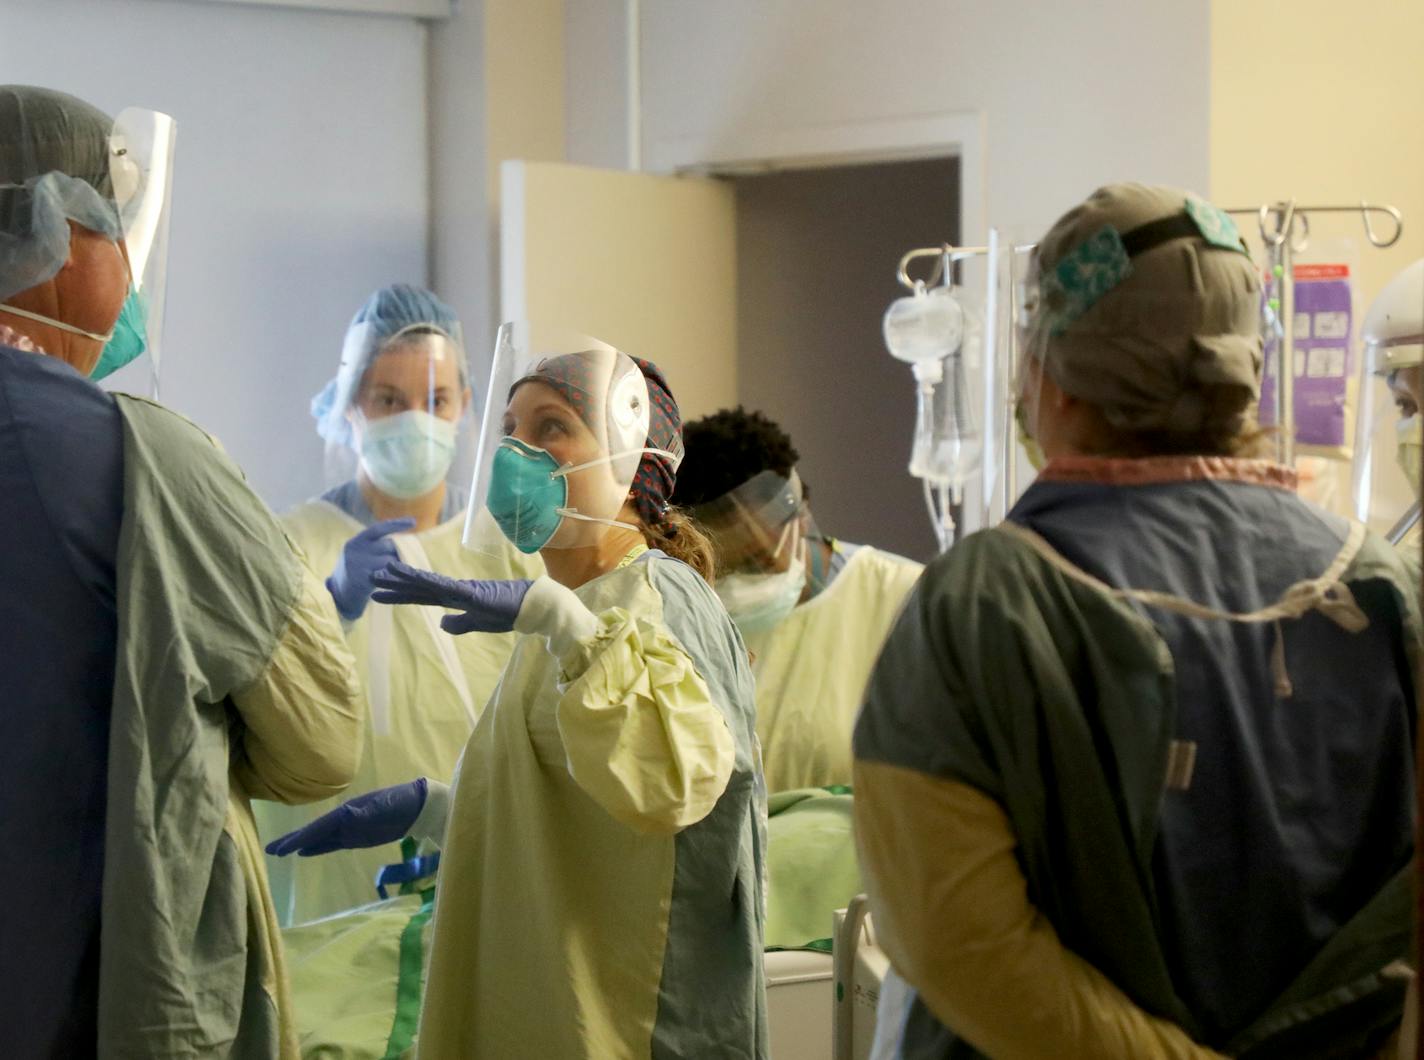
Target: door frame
x: 946, y: 134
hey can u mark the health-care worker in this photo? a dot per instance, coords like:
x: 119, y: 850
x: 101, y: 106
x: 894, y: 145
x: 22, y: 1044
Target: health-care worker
x: 397, y: 421
x: 601, y: 889
x: 166, y: 654
x: 1386, y: 483
x: 1134, y: 775
x: 813, y: 610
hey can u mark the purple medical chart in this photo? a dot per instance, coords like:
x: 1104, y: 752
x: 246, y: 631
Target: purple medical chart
x: 1322, y: 356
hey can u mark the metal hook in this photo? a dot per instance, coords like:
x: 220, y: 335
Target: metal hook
x: 1283, y: 210
x: 1287, y: 213
x: 1394, y: 215
x: 903, y: 274
x: 1298, y: 245
x: 947, y: 253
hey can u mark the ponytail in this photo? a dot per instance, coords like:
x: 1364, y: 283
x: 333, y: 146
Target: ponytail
x: 681, y: 538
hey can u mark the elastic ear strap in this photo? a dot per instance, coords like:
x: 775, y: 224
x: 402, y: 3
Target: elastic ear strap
x: 612, y: 457
x: 61, y: 325
x: 573, y: 513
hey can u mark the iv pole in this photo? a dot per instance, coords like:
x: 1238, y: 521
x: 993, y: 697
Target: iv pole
x: 1277, y: 222
x: 998, y: 472
x: 1285, y: 230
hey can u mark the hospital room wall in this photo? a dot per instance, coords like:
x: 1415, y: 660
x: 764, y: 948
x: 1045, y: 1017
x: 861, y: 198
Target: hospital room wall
x: 302, y: 184
x: 496, y: 92
x: 1072, y: 95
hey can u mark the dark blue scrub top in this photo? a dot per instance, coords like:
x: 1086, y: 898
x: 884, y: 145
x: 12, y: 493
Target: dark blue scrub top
x: 61, y: 504
x: 1300, y: 808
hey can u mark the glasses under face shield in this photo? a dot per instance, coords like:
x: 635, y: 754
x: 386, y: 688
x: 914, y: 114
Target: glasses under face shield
x: 761, y: 527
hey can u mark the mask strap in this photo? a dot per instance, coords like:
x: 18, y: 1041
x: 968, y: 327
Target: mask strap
x: 570, y: 513
x: 612, y: 457
x: 61, y: 325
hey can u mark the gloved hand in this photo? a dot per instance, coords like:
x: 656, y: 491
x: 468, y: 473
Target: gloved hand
x: 368, y: 820
x: 361, y: 557
x: 488, y: 606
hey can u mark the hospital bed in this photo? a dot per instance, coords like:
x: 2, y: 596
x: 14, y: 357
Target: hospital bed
x: 357, y: 977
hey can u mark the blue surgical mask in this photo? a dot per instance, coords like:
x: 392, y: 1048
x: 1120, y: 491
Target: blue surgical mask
x: 407, y: 455
x: 527, y: 494
x: 128, y: 340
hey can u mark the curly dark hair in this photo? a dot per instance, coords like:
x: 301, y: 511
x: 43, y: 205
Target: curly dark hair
x: 725, y: 449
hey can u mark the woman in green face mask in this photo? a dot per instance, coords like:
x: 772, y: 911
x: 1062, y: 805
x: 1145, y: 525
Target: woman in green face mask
x: 395, y: 421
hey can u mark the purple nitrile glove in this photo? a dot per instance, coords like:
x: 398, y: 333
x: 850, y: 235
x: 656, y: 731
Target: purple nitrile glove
x: 369, y: 820
x: 488, y: 606
x: 361, y: 557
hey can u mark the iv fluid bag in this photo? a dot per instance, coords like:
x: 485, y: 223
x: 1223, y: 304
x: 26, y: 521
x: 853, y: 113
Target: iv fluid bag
x: 949, y: 438
x: 949, y: 429
x: 924, y: 328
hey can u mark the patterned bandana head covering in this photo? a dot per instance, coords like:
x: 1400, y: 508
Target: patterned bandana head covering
x: 570, y: 375
x: 653, y: 484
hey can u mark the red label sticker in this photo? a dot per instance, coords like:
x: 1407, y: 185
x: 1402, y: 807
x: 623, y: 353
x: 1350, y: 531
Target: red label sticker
x: 1322, y: 272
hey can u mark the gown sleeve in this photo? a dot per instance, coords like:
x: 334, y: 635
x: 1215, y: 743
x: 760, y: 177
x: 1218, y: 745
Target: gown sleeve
x: 303, y: 728
x: 952, y: 912
x: 640, y: 727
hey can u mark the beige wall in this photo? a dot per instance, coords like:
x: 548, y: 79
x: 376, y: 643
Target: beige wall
x: 647, y: 263
x: 524, y: 97
x: 496, y: 92
x: 524, y: 80
x: 1324, y: 102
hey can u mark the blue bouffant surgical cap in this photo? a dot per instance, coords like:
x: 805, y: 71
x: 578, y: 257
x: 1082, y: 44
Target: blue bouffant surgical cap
x: 393, y: 313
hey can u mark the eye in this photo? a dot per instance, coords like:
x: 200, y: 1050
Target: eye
x: 553, y: 428
x: 383, y: 402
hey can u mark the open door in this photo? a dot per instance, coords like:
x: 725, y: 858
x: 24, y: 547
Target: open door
x: 646, y: 263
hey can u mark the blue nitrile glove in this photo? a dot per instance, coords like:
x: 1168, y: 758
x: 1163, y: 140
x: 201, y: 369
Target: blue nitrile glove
x: 361, y: 557
x: 488, y: 606
x: 368, y: 820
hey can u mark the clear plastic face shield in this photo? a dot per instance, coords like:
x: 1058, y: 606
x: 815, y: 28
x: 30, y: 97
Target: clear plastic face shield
x: 565, y: 428
x: 1389, y: 439
x: 1030, y: 341
x: 141, y: 170
x: 397, y: 418
x: 761, y: 531
x: 760, y: 527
